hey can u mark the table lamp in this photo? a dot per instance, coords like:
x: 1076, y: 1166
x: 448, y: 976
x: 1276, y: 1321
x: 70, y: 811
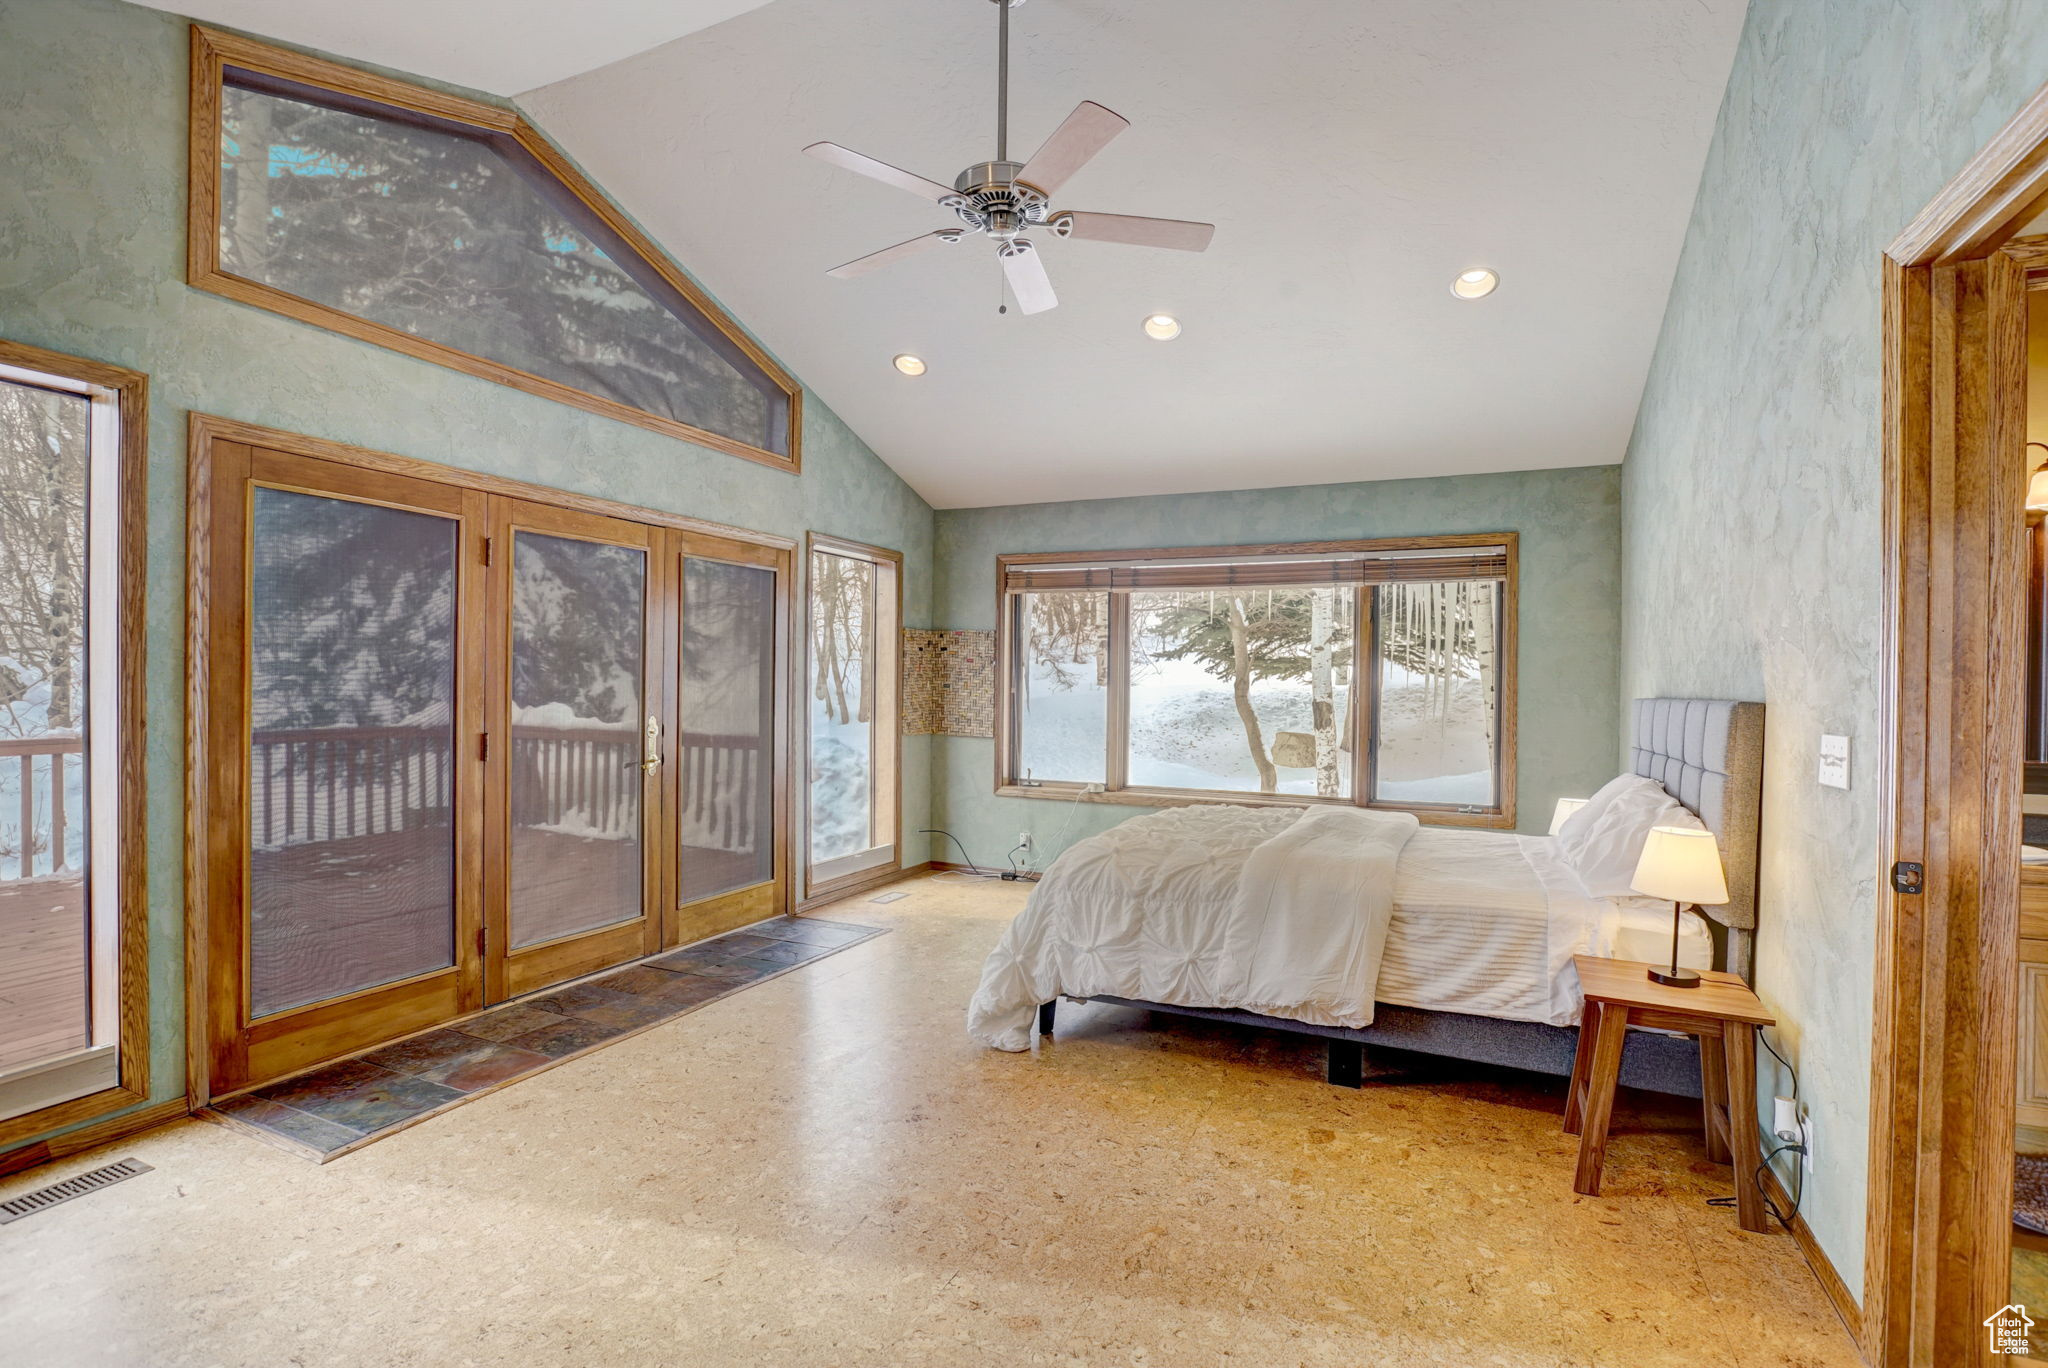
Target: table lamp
x: 1565, y: 808
x: 1684, y: 865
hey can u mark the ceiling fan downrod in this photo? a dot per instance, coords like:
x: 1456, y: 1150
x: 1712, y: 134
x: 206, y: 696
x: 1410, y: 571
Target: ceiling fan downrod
x: 1003, y: 199
x: 1003, y: 8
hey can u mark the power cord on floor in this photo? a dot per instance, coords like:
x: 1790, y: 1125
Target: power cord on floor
x: 973, y: 869
x: 1794, y: 1147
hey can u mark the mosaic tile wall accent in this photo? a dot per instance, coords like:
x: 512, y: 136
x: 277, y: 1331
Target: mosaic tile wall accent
x: 949, y: 682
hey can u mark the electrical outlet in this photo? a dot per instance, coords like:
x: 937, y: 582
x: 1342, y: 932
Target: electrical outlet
x: 1785, y: 1119
x: 1024, y: 840
x: 1806, y: 1138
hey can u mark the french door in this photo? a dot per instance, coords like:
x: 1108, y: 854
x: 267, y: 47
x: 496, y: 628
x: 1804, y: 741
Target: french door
x: 727, y: 798
x: 460, y: 746
x: 573, y: 830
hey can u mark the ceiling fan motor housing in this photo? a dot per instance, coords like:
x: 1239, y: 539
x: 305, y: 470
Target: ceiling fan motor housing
x: 995, y: 200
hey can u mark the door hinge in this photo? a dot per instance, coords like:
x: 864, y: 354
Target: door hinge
x: 1908, y: 877
x: 487, y: 550
x: 483, y: 745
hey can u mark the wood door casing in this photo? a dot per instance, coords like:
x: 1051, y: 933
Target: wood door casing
x: 511, y: 970
x: 245, y: 1050
x: 1943, y: 1058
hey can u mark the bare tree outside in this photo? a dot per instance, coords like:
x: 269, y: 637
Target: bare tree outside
x: 842, y: 705
x: 45, y: 445
x: 1248, y: 690
x: 43, y: 451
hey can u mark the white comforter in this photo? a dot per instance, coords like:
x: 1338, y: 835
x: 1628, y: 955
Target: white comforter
x: 1278, y: 911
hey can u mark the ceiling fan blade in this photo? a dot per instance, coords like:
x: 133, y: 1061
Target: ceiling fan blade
x: 847, y: 159
x: 874, y: 261
x: 1178, y: 234
x: 1028, y: 280
x: 1087, y: 131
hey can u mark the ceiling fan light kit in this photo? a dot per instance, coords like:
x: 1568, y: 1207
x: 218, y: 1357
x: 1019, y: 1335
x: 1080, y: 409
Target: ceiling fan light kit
x: 1004, y: 199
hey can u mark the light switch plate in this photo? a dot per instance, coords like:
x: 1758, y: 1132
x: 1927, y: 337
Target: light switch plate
x: 1834, y: 761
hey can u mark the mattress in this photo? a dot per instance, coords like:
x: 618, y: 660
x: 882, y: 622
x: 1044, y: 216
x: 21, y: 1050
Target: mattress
x: 1486, y: 923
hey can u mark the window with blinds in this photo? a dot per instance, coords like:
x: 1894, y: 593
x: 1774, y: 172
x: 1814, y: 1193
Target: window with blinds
x: 1373, y: 673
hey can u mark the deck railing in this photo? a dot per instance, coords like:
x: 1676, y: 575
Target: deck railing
x: 43, y: 817
x: 328, y: 783
x: 722, y: 785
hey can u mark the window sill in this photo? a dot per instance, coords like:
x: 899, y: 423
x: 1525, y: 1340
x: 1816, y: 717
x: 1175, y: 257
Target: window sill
x: 61, y: 1115
x: 1153, y: 797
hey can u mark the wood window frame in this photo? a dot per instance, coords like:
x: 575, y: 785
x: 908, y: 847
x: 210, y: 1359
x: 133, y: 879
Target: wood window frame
x: 213, y: 831
x: 1117, y: 792
x: 889, y: 679
x: 213, y: 51
x: 127, y: 391
x: 1945, y: 1020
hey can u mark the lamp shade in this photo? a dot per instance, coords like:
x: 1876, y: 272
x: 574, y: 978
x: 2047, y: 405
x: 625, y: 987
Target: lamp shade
x: 1682, y: 864
x: 2037, y: 490
x: 1565, y: 808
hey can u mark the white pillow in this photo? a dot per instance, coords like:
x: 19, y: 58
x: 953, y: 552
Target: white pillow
x: 1603, y: 840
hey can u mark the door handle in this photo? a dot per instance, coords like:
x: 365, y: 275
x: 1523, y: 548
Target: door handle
x: 650, y: 758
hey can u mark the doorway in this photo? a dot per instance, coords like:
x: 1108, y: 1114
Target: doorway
x: 1938, y: 1275
x: 461, y: 739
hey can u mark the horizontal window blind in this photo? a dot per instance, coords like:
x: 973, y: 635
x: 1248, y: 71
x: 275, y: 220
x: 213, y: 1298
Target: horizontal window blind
x: 1263, y: 572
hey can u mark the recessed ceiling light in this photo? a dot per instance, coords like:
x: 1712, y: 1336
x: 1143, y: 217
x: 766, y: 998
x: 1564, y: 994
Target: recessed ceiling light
x: 1476, y: 283
x: 1162, y: 327
x: 908, y: 364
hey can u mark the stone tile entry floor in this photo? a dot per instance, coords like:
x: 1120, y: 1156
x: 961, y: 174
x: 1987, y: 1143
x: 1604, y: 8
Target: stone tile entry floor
x: 345, y: 1105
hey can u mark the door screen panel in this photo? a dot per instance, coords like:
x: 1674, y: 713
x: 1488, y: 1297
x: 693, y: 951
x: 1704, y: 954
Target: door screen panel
x: 728, y: 727
x: 351, y: 754
x: 578, y: 707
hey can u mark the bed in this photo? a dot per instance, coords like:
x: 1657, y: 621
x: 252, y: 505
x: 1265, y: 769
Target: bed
x: 1467, y: 955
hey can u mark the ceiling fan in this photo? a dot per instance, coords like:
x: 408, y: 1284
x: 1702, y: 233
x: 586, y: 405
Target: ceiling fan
x: 1003, y: 198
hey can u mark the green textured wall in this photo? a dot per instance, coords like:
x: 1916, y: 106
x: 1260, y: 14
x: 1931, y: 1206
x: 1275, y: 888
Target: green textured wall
x: 1570, y: 526
x: 92, y: 259
x: 1753, y: 488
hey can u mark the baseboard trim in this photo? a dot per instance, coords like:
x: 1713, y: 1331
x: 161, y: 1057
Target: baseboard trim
x: 864, y: 883
x: 1845, y: 1303
x: 954, y: 867
x: 86, y: 1137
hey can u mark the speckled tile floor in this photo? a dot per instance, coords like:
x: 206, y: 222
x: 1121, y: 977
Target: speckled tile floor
x: 823, y: 1170
x: 340, y: 1107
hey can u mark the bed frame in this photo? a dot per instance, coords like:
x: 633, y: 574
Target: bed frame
x: 1708, y: 754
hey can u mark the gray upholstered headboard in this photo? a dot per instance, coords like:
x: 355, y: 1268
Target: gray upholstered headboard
x: 1709, y: 755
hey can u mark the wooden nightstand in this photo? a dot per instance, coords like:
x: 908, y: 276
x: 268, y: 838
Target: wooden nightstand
x: 1722, y: 1013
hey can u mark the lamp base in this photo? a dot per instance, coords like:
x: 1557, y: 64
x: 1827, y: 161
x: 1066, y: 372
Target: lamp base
x: 1675, y: 978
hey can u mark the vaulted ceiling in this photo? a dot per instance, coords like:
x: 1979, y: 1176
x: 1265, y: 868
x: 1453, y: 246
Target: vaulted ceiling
x: 1355, y: 155
x: 500, y: 46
